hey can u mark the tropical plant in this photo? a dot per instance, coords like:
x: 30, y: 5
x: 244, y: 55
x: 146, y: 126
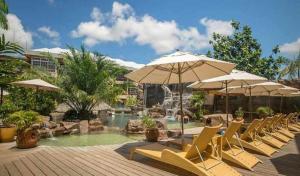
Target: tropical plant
x: 131, y: 101
x: 264, y: 111
x: 7, y: 47
x: 148, y: 122
x: 239, y: 112
x: 3, y: 13
x: 245, y: 51
x: 10, y: 70
x: 291, y: 69
x: 87, y: 79
x: 197, y: 101
x: 5, y: 110
x: 24, y: 119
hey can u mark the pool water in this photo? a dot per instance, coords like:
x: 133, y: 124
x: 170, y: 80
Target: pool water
x: 108, y: 137
x: 91, y: 139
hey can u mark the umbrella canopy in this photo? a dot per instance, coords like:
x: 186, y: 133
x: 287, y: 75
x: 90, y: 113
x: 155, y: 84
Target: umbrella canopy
x: 285, y: 91
x: 37, y: 84
x: 191, y: 68
x: 254, y: 88
x: 180, y: 67
x: 235, y: 78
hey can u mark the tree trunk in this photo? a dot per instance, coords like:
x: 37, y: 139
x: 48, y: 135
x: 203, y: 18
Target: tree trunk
x: 1, y: 96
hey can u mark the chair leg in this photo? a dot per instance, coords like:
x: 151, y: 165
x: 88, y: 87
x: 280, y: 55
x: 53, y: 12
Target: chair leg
x: 132, y: 151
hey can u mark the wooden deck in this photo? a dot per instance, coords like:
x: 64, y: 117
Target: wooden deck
x: 112, y: 160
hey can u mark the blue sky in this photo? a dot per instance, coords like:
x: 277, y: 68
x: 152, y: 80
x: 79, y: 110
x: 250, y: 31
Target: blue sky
x: 141, y: 30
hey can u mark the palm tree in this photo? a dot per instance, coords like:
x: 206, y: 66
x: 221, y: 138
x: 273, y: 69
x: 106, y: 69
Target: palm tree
x: 3, y: 13
x: 7, y: 47
x: 292, y: 69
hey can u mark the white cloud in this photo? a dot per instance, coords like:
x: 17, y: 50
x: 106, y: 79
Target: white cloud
x: 290, y: 48
x: 217, y: 26
x: 48, y: 31
x: 16, y: 32
x: 96, y: 14
x: 162, y: 36
x: 121, y: 62
x: 51, y: 34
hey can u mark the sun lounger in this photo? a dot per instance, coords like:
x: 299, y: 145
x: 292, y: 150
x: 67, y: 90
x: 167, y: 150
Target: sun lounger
x: 282, y: 128
x: 230, y: 152
x: 197, y: 158
x: 265, y: 137
x: 291, y: 123
x: 271, y: 130
x: 250, y: 141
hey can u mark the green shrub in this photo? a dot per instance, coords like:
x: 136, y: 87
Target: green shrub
x: 239, y: 112
x: 24, y: 119
x: 148, y: 122
x: 264, y: 111
x: 197, y: 101
x: 131, y: 101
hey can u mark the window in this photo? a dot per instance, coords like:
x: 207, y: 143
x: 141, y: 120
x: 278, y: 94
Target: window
x: 43, y: 63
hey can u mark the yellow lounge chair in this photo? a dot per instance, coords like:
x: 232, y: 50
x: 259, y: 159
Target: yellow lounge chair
x: 290, y: 123
x: 269, y: 137
x: 197, y: 158
x: 272, y: 130
x: 250, y: 141
x: 233, y: 153
x: 265, y: 137
x: 282, y: 128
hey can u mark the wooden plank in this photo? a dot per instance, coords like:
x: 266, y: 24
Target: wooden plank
x: 12, y: 169
x: 61, y: 164
x: 79, y: 164
x: 101, y: 167
x: 124, y: 164
x: 146, y: 168
x: 114, y: 167
x: 3, y: 171
x: 22, y: 168
x: 66, y: 161
x: 49, y: 164
x: 40, y: 165
x: 32, y: 167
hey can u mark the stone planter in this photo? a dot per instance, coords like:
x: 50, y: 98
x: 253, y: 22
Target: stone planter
x: 7, y: 134
x: 27, y: 138
x: 152, y: 134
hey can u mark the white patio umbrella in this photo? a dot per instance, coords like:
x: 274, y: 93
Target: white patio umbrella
x: 235, y: 78
x: 37, y: 84
x: 180, y: 67
x: 249, y: 90
x: 281, y: 92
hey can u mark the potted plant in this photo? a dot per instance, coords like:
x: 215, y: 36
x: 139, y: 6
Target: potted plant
x: 27, y: 134
x: 7, y: 130
x: 239, y: 113
x: 151, y: 131
x: 264, y: 111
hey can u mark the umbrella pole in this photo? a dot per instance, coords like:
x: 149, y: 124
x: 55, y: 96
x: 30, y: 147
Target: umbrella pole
x: 180, y: 98
x: 226, y: 103
x: 250, y: 103
x: 281, y: 98
x: 269, y: 103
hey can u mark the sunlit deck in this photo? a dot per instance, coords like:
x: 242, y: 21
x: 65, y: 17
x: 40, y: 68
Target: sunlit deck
x: 112, y: 160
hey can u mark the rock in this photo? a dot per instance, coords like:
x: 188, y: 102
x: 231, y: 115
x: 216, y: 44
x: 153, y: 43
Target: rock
x: 70, y: 125
x: 58, y: 131
x: 163, y: 134
x: 57, y: 116
x: 84, y: 126
x: 95, y: 122
x: 44, y: 133
x: 35, y: 126
x: 174, y: 133
x: 51, y: 125
x: 74, y: 131
x: 134, y: 126
x: 161, y: 124
x: 96, y: 128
